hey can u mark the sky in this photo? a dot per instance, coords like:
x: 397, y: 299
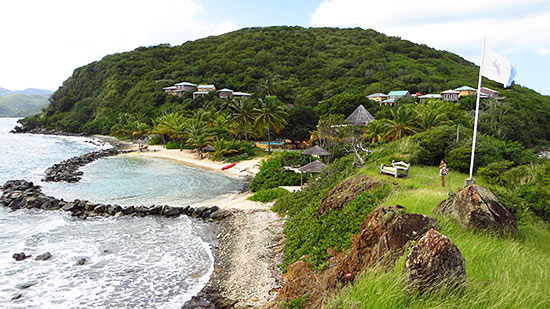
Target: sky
x: 42, y: 42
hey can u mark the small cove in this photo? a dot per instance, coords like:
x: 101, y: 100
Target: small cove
x: 136, y: 262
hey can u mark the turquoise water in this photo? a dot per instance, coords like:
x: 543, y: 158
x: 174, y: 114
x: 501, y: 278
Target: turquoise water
x: 148, y: 262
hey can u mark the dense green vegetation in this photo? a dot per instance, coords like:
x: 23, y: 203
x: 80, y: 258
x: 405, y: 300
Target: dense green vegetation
x: 268, y: 195
x: 308, y: 234
x: 300, y: 66
x: 19, y: 105
x: 273, y: 174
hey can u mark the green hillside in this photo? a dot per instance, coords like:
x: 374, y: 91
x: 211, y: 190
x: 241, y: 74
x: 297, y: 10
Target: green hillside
x: 298, y: 65
x: 19, y: 105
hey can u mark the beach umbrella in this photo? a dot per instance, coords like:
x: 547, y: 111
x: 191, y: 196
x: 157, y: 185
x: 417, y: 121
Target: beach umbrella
x: 313, y: 167
x: 316, y: 151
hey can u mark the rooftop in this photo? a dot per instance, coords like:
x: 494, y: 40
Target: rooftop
x: 465, y: 88
x: 398, y: 92
x: 225, y: 90
x: 205, y: 86
x: 185, y: 84
x: 360, y: 116
x: 450, y: 92
x: 374, y: 95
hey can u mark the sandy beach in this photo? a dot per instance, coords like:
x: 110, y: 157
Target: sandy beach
x: 245, y: 169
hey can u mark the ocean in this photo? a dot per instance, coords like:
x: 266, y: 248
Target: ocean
x: 150, y: 262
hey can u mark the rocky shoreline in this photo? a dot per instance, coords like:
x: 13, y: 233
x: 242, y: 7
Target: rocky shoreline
x: 246, y: 275
x: 21, y: 194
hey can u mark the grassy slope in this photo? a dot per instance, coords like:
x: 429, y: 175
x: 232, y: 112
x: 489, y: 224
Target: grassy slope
x: 501, y: 272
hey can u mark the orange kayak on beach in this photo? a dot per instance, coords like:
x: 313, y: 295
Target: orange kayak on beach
x: 229, y: 166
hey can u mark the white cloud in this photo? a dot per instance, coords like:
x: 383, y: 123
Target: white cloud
x: 226, y: 27
x: 508, y: 25
x: 44, y: 41
x: 544, y: 51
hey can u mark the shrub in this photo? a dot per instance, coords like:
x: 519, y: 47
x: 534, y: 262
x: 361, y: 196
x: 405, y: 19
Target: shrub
x: 307, y: 234
x: 492, y: 172
x: 268, y: 195
x: 434, y: 144
x: 272, y: 173
x: 172, y: 145
x: 155, y: 140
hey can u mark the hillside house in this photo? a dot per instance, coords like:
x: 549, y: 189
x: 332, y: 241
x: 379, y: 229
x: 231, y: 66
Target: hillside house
x: 450, y: 95
x: 491, y: 94
x: 429, y: 96
x: 390, y: 102
x: 378, y: 97
x: 179, y: 88
x: 203, y: 90
x: 465, y: 90
x: 397, y: 94
x: 225, y: 93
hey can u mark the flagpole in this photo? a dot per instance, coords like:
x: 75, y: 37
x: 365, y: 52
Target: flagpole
x: 476, y: 114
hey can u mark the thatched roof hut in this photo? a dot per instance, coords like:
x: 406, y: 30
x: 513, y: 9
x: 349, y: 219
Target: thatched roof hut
x: 360, y: 117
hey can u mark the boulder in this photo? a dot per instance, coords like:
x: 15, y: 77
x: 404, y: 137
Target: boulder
x: 81, y: 262
x: 477, y: 208
x: 435, y: 264
x: 172, y: 211
x: 99, y: 209
x: 128, y: 210
x: 20, y: 256
x: 43, y: 257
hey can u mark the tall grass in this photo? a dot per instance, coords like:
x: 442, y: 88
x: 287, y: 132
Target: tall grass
x: 501, y: 272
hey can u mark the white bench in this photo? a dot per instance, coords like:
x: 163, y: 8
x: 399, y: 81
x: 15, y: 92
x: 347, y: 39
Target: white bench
x: 396, y: 169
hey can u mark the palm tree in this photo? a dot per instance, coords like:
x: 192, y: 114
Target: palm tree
x: 243, y: 113
x: 432, y: 113
x: 403, y: 123
x: 161, y: 128
x: 199, y: 136
x: 375, y: 131
x: 176, y: 127
x: 270, y: 114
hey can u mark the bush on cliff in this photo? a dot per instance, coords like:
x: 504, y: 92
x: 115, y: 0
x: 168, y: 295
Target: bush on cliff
x: 272, y: 173
x: 308, y: 234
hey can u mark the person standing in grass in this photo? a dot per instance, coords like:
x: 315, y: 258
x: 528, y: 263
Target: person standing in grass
x: 443, y: 171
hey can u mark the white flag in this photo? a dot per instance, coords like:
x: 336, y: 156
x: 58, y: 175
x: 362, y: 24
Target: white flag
x: 496, y: 67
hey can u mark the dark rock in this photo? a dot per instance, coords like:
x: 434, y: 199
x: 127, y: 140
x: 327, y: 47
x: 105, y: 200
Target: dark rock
x: 155, y: 210
x: 81, y: 261
x: 69, y: 207
x: 477, y: 208
x: 17, y: 296
x: 173, y: 211
x: 199, y: 211
x: 435, y: 264
x: 43, y: 256
x: 99, y: 209
x: 142, y: 209
x: 128, y: 210
x: 20, y: 256
x: 209, y: 298
x: 113, y: 209
x: 26, y: 285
